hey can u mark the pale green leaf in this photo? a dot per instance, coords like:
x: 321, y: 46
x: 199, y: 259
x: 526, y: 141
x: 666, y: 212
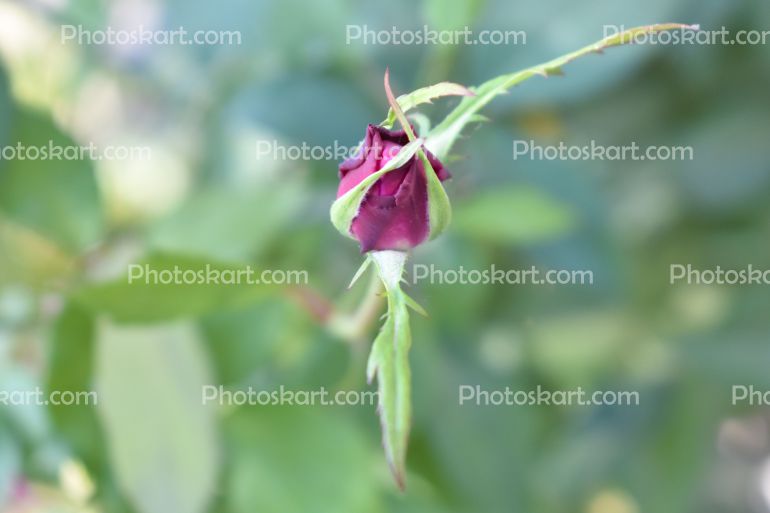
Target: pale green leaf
x: 162, y: 439
x: 425, y: 95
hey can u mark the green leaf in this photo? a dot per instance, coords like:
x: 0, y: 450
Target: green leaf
x: 513, y: 216
x: 162, y: 439
x: 138, y: 301
x: 57, y: 198
x: 299, y: 460
x: 444, y: 135
x: 345, y: 208
x: 70, y: 368
x: 229, y: 224
x: 425, y: 95
x: 389, y: 363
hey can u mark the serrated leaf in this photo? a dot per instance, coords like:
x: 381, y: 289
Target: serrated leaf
x: 443, y: 136
x: 345, y: 208
x: 425, y: 95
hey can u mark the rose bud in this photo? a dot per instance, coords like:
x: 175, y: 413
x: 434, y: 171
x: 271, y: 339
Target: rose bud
x: 391, y: 208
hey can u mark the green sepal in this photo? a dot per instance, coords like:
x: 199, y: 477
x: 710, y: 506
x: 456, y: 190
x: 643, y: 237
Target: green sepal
x: 439, y: 207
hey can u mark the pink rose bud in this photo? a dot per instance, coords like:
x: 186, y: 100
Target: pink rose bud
x: 394, y: 212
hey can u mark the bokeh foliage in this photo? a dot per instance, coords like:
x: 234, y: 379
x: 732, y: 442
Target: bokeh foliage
x: 69, y: 321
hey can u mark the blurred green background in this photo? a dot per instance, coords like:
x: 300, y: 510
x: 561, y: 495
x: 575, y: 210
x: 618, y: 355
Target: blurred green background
x: 68, y: 231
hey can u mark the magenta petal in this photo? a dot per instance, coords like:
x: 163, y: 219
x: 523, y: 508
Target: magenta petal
x: 395, y: 222
x: 358, y: 159
x: 394, y: 211
x: 353, y: 171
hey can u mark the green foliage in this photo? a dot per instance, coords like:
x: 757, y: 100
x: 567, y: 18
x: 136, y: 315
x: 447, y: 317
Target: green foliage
x: 135, y: 300
x: 280, y: 465
x: 513, y: 216
x: 229, y: 224
x: 294, y: 80
x: 162, y: 442
x: 65, y: 206
x: 71, y: 369
x: 9, y: 465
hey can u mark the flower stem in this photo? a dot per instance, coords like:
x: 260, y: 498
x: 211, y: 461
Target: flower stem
x: 389, y: 362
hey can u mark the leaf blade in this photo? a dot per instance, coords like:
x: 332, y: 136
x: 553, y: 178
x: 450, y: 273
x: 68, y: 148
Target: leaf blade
x: 425, y: 95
